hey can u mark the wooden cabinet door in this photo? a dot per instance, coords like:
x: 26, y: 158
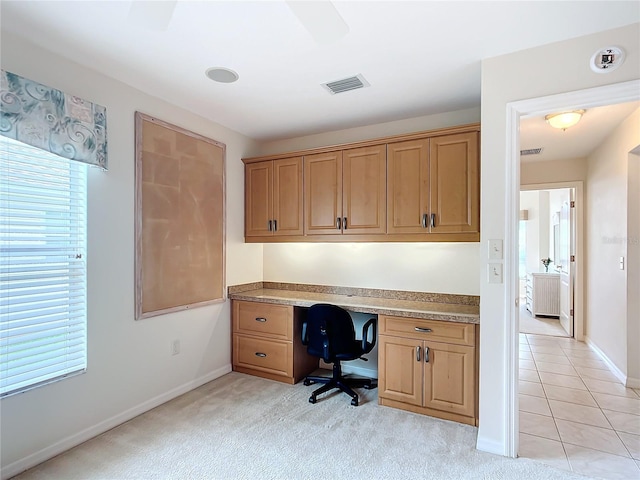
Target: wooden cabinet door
x: 455, y: 183
x: 364, y: 196
x: 287, y: 197
x: 449, y: 378
x: 258, y: 207
x: 323, y: 193
x: 407, y: 186
x: 400, y: 369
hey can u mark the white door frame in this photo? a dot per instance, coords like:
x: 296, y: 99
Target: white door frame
x: 588, y: 98
x: 578, y: 286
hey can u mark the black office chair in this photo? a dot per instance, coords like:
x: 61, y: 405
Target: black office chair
x: 329, y: 334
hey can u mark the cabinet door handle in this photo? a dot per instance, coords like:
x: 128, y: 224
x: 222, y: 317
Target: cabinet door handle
x: 433, y: 220
x: 261, y: 355
x: 275, y: 225
x: 270, y: 223
x: 338, y: 223
x: 417, y: 354
x: 422, y: 329
x: 261, y: 319
x: 424, y: 220
x: 344, y: 223
x: 426, y: 354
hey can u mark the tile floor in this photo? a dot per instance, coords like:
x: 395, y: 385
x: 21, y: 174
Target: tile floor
x: 574, y: 413
x: 539, y: 325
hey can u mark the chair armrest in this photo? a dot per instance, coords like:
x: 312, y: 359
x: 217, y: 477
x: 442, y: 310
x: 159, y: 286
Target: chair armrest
x: 365, y: 334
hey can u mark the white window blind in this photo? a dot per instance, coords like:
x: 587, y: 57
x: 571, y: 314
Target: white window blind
x: 43, y: 200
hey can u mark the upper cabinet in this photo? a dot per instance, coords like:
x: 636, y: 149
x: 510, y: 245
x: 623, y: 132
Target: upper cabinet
x: 273, y: 198
x: 433, y: 185
x: 454, y: 193
x: 408, y: 187
x: 420, y: 187
x: 345, y: 192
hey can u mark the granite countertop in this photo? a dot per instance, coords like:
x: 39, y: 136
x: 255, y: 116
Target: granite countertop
x: 403, y: 306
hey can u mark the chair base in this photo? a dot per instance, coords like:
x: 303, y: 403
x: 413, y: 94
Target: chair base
x: 338, y: 381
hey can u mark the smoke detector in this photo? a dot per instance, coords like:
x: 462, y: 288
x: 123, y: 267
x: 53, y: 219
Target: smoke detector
x: 607, y: 59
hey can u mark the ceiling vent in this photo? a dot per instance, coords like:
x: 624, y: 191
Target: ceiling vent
x: 531, y: 151
x: 346, y: 84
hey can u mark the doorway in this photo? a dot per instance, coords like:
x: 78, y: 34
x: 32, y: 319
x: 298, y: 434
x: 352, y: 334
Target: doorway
x: 547, y: 259
x: 599, y: 96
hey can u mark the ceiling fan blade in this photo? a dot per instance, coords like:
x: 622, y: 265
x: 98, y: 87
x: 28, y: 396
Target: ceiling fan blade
x: 321, y: 19
x: 153, y: 15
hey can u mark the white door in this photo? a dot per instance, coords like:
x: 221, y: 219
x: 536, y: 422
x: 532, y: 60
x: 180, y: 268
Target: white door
x: 566, y: 250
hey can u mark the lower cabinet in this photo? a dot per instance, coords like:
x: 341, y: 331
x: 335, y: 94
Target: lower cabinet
x: 428, y: 367
x: 267, y: 342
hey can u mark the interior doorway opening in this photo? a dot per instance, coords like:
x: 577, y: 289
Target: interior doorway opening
x: 547, y: 260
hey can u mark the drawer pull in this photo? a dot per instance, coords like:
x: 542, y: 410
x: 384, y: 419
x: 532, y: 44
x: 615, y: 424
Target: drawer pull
x: 417, y: 354
x: 423, y: 330
x: 261, y: 355
x: 261, y: 319
x: 426, y: 354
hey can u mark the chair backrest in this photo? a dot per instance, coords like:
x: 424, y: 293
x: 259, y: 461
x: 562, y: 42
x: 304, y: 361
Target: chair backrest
x: 329, y: 332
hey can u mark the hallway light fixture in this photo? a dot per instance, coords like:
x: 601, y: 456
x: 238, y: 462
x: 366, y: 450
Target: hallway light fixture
x: 564, y: 120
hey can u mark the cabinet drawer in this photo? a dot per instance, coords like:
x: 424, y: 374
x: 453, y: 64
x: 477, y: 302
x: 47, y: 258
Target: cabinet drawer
x: 440, y: 331
x: 270, y: 356
x: 263, y: 319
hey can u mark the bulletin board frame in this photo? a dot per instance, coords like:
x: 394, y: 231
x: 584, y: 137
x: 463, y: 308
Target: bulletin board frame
x: 180, y: 218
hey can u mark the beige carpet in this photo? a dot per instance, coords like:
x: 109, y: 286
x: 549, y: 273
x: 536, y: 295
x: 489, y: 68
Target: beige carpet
x: 243, y: 427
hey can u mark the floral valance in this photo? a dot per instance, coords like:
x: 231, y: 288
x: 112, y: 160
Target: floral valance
x: 52, y: 120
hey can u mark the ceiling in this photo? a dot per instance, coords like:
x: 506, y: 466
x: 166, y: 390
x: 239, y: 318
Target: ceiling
x: 575, y: 142
x: 420, y: 57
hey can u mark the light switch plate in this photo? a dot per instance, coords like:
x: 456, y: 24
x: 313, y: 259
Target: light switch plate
x: 494, y: 272
x: 495, y: 249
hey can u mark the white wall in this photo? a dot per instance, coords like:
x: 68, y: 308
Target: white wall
x: 607, y: 241
x: 409, y: 125
x: 633, y: 271
x: 547, y: 70
x: 420, y: 267
x: 568, y: 170
x: 530, y: 201
x: 130, y: 367
x: 425, y: 267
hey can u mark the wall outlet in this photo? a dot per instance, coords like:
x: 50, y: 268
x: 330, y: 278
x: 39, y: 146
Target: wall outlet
x: 175, y: 347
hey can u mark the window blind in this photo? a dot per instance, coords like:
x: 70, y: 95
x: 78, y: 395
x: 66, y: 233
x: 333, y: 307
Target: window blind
x: 43, y: 200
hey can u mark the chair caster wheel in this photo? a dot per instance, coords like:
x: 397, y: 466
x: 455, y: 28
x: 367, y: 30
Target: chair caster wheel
x: 354, y: 402
x: 312, y: 400
x: 368, y: 387
x: 307, y: 382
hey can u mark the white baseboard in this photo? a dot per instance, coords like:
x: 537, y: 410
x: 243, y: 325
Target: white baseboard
x: 65, y: 444
x: 490, y: 446
x: 615, y: 370
x: 633, y: 382
x: 354, y: 370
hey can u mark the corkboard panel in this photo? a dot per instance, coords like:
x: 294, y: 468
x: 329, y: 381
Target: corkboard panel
x: 180, y: 208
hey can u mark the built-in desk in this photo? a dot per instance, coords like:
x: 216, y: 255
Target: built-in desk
x: 427, y: 342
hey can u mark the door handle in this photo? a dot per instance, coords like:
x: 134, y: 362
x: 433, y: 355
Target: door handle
x: 338, y: 223
x: 433, y: 220
x: 344, y: 223
x: 270, y: 224
x: 275, y: 225
x: 426, y: 354
x: 417, y: 354
x: 424, y: 220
